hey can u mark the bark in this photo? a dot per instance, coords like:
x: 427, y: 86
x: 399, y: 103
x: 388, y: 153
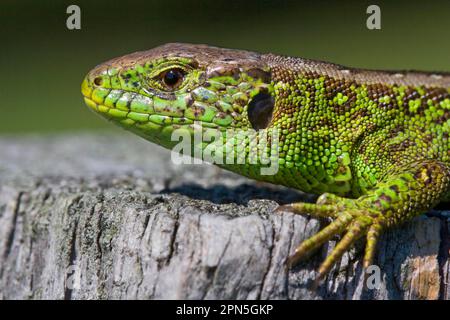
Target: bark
x: 109, y: 216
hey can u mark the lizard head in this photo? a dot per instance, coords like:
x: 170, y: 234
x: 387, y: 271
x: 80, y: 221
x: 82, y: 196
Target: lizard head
x: 154, y: 92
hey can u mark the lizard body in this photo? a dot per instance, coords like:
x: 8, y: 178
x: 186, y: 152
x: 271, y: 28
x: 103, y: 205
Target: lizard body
x: 374, y: 144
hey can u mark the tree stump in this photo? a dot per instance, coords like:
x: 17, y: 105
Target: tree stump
x: 109, y: 216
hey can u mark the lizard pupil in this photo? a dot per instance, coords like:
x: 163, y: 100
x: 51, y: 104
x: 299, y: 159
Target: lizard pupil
x: 172, y: 78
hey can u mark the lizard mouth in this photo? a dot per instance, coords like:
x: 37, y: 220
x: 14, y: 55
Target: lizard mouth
x: 146, y: 115
x: 130, y: 108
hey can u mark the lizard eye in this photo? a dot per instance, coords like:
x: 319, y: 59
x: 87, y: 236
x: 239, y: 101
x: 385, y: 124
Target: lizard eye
x: 172, y: 78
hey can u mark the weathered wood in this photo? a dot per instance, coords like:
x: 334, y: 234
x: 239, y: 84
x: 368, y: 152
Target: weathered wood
x: 109, y: 216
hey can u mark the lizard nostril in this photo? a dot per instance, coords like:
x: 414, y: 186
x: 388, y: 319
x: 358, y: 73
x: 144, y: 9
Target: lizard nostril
x: 98, y: 81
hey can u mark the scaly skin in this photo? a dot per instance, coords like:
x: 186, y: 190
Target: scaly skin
x: 374, y: 144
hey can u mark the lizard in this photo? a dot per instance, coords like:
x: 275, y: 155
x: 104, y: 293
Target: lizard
x: 373, y: 145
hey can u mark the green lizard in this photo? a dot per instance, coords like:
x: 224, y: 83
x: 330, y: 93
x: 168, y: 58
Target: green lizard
x: 374, y: 144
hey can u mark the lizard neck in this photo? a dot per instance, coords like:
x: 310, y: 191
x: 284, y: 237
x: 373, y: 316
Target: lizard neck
x: 314, y: 147
x: 319, y: 126
x: 337, y: 118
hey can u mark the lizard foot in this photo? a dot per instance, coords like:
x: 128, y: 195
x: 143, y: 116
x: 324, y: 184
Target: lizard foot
x: 349, y: 218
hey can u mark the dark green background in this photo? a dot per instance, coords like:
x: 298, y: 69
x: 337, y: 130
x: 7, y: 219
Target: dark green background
x: 42, y: 63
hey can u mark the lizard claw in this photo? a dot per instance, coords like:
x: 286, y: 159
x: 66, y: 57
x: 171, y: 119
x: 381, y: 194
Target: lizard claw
x: 349, y: 220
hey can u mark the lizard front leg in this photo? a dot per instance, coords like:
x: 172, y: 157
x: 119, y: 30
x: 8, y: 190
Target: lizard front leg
x: 403, y: 193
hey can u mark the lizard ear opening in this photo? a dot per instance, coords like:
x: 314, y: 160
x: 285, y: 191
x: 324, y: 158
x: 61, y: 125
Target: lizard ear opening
x: 260, y: 110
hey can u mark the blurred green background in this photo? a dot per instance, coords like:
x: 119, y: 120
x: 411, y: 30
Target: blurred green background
x: 42, y: 63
